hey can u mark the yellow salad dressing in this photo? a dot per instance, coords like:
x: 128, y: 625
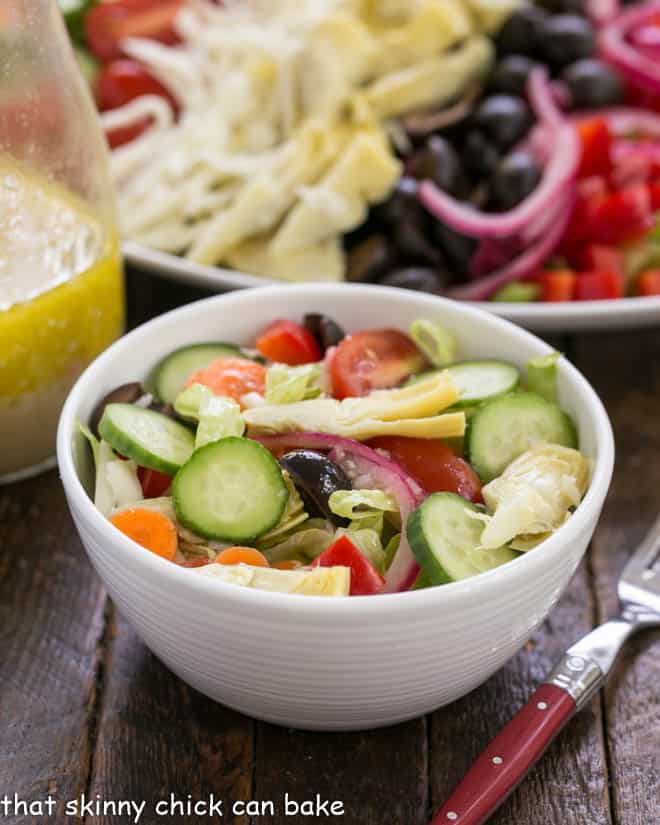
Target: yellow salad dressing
x: 61, y: 304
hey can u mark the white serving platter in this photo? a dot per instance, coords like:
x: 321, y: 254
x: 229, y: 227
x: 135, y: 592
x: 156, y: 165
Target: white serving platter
x: 576, y: 316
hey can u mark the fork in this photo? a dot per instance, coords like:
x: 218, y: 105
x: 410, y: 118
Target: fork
x: 577, y: 677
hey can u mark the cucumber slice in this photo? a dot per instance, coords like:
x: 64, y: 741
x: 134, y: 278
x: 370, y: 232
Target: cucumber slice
x: 231, y: 490
x: 151, y: 439
x: 504, y: 428
x: 478, y: 381
x: 172, y: 373
x: 444, y: 537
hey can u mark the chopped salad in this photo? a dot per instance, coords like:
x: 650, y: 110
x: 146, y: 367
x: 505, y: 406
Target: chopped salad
x: 487, y: 149
x: 322, y: 463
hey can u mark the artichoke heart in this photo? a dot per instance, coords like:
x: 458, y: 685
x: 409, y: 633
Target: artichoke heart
x: 319, y: 581
x: 411, y: 411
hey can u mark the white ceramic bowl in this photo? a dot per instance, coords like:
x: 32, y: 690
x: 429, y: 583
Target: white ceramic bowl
x: 314, y: 662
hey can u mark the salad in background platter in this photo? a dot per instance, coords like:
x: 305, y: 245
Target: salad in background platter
x: 487, y: 150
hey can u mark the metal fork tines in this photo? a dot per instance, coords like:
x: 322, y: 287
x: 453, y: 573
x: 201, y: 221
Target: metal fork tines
x: 640, y: 581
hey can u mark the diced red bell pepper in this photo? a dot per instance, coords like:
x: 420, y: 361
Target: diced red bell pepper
x: 598, y: 286
x: 288, y: 343
x: 648, y: 282
x: 621, y: 216
x: 154, y: 484
x: 654, y: 194
x: 557, y: 285
x: 596, y: 143
x: 601, y: 258
x: 365, y: 579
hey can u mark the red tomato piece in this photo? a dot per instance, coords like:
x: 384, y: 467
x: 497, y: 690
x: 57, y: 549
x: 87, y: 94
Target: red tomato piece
x: 288, y: 343
x: 648, y: 282
x: 598, y: 286
x: 365, y: 579
x: 621, y: 216
x: 433, y: 464
x: 154, y: 484
x: 654, y: 194
x: 600, y: 258
x: 125, y: 134
x: 124, y: 80
x: 596, y: 143
x: 557, y: 285
x: 107, y: 24
x: 375, y: 359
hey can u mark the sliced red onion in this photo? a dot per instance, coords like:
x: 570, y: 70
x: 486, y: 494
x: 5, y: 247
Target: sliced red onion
x: 526, y: 265
x: 601, y: 12
x: 629, y: 121
x: 558, y: 175
x: 641, y: 69
x: 541, y: 94
x: 375, y: 470
x: 420, y: 124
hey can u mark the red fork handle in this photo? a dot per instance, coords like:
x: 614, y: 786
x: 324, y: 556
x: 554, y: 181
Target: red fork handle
x: 508, y: 758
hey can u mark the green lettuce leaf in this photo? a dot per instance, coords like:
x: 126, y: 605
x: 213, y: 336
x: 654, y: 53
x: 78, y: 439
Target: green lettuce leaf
x: 218, y: 417
x: 286, y: 385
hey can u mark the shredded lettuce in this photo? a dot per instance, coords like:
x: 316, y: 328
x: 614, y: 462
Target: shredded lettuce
x: 534, y: 495
x: 437, y: 343
x: 117, y: 482
x: 286, y: 385
x: 304, y: 544
x: 293, y: 516
x: 390, y: 549
x: 359, y: 504
x: 542, y: 376
x: 368, y: 542
x: 164, y: 505
x: 218, y: 417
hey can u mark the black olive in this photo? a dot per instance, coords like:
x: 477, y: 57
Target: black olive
x: 503, y: 119
x: 125, y: 394
x: 420, y: 279
x: 412, y: 242
x: 593, y: 84
x: 480, y: 156
x: 316, y: 479
x: 566, y: 38
x: 438, y: 161
x: 569, y: 6
x: 458, y: 249
x: 515, y: 178
x: 511, y: 74
x: 368, y: 259
x: 521, y: 32
x: 327, y: 332
x: 401, y: 204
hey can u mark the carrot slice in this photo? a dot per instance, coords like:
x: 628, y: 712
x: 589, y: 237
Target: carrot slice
x: 152, y: 530
x: 231, y: 377
x: 242, y: 555
x: 288, y: 564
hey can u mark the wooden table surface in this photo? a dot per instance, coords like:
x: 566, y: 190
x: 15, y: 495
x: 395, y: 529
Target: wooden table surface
x: 85, y: 708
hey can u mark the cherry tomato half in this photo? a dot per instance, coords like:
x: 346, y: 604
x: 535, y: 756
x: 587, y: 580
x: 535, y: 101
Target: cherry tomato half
x: 124, y: 80
x: 288, y: 343
x: 107, y: 24
x: 154, y: 484
x: 374, y: 359
x: 433, y: 464
x: 557, y: 285
x: 598, y: 286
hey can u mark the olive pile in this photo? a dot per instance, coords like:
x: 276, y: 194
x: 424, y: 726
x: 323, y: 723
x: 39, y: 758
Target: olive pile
x: 474, y: 157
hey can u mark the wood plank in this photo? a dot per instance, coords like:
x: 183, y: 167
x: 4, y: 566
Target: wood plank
x: 625, y: 370
x: 158, y: 737
x: 51, y: 623
x: 380, y: 776
x: 569, y: 785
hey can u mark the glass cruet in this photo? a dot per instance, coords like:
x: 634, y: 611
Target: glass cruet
x: 61, y: 281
